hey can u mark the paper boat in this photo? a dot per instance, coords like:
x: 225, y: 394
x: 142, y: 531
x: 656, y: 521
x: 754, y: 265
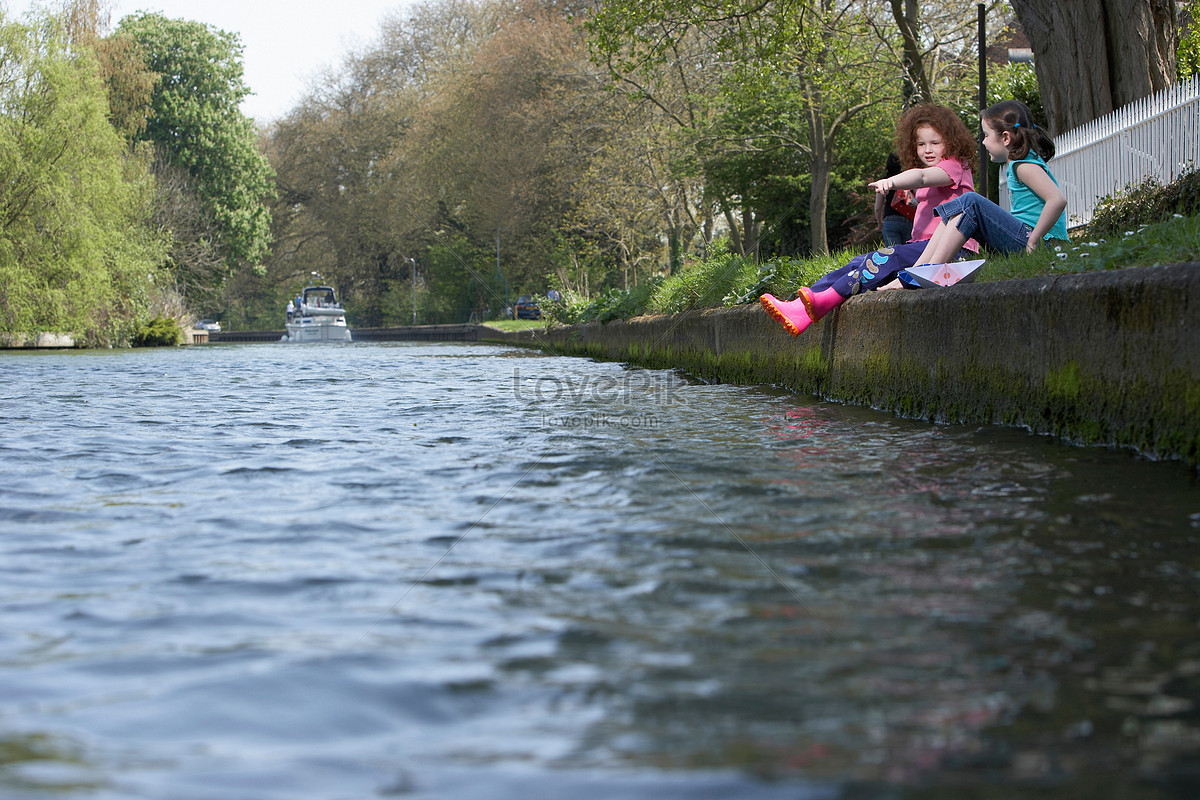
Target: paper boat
x: 943, y: 274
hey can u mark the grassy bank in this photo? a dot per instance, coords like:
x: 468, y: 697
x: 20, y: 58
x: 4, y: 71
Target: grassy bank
x: 1148, y: 225
x: 514, y: 324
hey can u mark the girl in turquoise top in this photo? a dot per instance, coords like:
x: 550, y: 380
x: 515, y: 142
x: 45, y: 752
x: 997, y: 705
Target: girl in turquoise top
x: 1038, y: 205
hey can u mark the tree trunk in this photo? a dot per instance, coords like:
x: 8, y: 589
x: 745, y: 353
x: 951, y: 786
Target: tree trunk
x: 735, y: 236
x: 916, y: 83
x: 751, y: 229
x: 709, y: 225
x: 1093, y: 56
x: 674, y: 246
x: 819, y: 167
x: 1144, y: 62
x: 818, y: 203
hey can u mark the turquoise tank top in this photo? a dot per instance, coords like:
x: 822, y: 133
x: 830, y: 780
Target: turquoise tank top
x: 1026, y: 205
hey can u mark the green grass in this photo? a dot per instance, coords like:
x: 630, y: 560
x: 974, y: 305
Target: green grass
x: 515, y: 324
x: 1176, y: 240
x: 1144, y: 225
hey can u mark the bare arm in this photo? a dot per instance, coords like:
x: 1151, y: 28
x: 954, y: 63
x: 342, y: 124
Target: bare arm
x: 879, y: 209
x: 1037, y: 179
x: 912, y: 179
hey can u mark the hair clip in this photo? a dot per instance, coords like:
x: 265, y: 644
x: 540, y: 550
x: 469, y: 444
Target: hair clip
x: 1016, y: 124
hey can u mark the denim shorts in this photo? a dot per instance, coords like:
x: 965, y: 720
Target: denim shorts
x: 896, y: 230
x: 986, y: 223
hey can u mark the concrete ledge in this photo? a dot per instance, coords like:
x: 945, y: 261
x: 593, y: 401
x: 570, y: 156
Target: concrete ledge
x: 1097, y: 358
x: 36, y: 341
x: 227, y: 337
x: 418, y: 333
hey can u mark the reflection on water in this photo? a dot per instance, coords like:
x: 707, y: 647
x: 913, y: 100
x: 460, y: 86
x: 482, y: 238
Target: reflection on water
x: 464, y: 570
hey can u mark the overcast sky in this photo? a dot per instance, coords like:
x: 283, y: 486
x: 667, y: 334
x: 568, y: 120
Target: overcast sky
x: 287, y: 42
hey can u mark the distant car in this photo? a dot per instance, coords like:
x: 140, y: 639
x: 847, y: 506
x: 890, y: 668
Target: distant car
x: 526, y: 308
x: 208, y: 325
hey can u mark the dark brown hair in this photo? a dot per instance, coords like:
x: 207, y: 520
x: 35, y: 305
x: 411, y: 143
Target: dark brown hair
x: 1012, y: 116
x: 960, y: 143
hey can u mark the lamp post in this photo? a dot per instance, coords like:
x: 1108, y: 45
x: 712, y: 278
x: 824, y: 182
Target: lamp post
x: 500, y: 274
x: 412, y: 266
x: 984, y: 161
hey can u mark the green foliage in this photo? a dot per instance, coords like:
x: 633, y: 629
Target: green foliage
x: 158, y: 332
x: 462, y: 281
x: 783, y: 276
x: 1014, y: 81
x: 704, y: 284
x: 1187, y: 54
x: 613, y: 303
x: 76, y: 247
x: 793, y: 77
x: 196, y: 120
x: 1145, y: 204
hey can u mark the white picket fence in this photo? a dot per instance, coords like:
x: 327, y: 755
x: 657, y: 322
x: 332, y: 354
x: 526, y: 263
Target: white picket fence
x: 1155, y: 137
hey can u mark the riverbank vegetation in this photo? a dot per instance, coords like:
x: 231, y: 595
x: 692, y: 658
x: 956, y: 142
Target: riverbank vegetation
x: 133, y: 186
x: 632, y: 155
x: 1148, y: 224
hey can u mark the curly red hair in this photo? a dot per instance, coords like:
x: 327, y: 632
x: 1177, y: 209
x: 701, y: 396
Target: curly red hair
x: 960, y: 143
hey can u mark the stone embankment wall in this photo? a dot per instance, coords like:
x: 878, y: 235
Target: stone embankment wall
x: 1096, y: 358
x: 36, y: 341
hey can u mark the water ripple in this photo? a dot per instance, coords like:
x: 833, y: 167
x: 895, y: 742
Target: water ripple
x: 465, y: 570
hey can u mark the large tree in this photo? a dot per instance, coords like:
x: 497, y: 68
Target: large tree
x: 196, y: 123
x: 1094, y: 56
x: 76, y: 247
x: 816, y: 56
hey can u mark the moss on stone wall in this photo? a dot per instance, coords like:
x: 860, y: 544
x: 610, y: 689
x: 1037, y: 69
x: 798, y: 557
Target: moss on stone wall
x: 1101, y: 358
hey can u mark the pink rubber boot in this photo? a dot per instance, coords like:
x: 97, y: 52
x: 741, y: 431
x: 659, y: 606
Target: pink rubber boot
x: 807, y: 308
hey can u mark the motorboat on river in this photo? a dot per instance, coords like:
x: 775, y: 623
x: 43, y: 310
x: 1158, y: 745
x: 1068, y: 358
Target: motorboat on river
x: 319, y: 317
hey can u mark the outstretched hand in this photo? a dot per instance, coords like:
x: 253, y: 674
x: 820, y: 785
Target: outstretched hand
x: 882, y: 186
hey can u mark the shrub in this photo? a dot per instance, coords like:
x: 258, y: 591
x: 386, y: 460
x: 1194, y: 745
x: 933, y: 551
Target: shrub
x: 1146, y: 204
x: 612, y: 304
x: 158, y: 332
x: 705, y: 284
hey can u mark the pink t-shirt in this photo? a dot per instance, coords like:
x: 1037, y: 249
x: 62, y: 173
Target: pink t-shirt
x: 930, y: 197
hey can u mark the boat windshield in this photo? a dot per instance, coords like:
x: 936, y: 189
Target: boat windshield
x: 320, y: 296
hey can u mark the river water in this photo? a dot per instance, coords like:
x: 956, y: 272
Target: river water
x: 465, y: 570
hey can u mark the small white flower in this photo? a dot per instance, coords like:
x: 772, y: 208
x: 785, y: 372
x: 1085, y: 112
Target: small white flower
x: 1084, y: 255
x: 1177, y: 216
x: 1129, y: 233
x: 1061, y: 255
x: 1093, y: 244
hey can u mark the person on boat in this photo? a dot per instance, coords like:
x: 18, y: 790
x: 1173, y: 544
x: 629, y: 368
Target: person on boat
x: 291, y: 309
